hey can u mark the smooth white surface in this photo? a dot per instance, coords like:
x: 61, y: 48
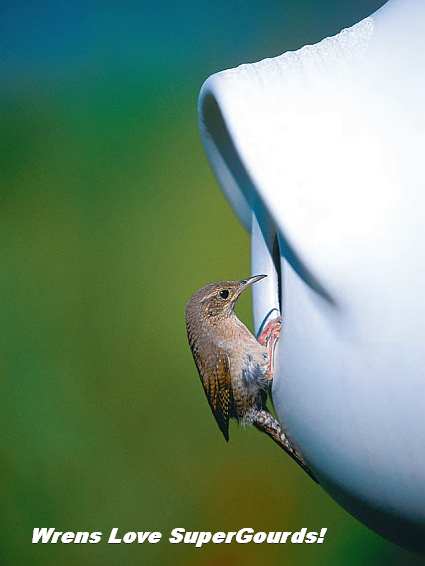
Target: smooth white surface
x: 324, y: 149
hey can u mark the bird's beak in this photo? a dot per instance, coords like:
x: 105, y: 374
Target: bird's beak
x: 245, y: 283
x: 252, y: 280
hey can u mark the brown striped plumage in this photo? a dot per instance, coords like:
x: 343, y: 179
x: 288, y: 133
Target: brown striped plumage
x: 235, y: 368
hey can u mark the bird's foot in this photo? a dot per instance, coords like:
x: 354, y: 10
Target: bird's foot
x: 268, y: 338
x: 271, y: 332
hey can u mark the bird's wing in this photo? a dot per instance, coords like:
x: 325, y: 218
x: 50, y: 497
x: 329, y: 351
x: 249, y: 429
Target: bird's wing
x: 215, y: 376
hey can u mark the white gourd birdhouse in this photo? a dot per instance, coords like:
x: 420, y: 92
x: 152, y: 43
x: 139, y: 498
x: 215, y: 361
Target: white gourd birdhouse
x: 321, y: 153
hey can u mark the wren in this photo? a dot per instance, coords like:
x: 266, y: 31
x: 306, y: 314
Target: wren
x: 236, y: 369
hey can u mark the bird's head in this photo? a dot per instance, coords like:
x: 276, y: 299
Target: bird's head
x: 216, y: 301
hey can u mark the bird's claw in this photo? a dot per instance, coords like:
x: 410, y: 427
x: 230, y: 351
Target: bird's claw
x: 271, y: 331
x: 268, y: 338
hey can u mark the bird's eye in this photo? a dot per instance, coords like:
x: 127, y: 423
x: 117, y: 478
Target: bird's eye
x: 224, y: 294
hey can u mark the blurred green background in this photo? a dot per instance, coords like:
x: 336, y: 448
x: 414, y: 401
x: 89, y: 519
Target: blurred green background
x: 110, y: 219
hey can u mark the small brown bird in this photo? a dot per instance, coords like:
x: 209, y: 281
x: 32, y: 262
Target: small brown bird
x: 235, y: 368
